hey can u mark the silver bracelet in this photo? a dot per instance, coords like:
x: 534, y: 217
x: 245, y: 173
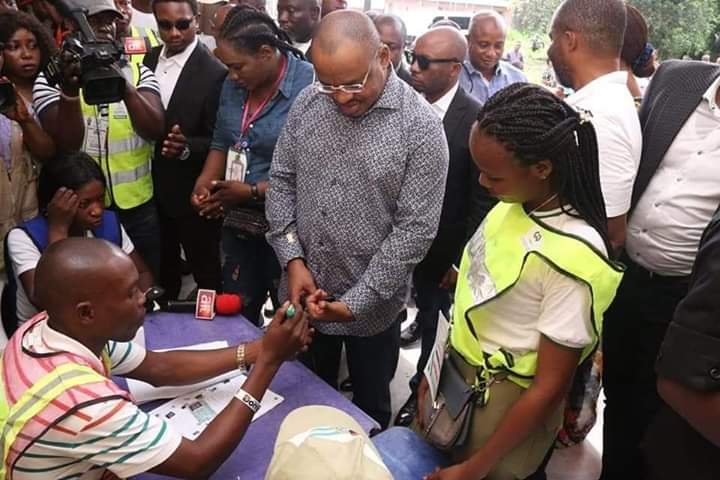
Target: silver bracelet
x: 248, y: 400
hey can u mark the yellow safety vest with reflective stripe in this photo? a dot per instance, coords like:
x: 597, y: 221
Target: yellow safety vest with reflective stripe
x: 150, y: 38
x: 34, y: 400
x: 125, y: 159
x: 492, y: 264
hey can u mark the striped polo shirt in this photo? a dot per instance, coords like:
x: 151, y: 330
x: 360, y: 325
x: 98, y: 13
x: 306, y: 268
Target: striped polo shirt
x: 113, y: 435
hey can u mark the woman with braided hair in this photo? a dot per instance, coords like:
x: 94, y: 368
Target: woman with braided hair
x: 534, y: 283
x: 265, y: 75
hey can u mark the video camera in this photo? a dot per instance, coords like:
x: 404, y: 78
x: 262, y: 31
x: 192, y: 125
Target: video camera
x: 100, y: 83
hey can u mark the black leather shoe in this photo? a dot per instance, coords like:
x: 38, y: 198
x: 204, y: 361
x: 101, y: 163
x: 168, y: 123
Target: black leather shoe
x: 407, y: 413
x: 346, y: 385
x: 410, y: 335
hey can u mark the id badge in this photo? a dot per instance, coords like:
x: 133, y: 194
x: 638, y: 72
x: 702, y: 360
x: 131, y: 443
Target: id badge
x: 236, y: 167
x: 95, y: 134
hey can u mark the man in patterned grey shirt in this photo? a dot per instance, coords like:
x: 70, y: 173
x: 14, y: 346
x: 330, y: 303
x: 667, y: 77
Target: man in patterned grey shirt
x: 356, y: 188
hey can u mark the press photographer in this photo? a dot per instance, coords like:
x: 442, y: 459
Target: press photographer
x: 118, y: 135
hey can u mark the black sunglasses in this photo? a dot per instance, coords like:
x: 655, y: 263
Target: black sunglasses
x: 425, y: 62
x: 181, y: 25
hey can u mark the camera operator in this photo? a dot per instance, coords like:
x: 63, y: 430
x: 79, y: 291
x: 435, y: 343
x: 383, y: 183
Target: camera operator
x: 118, y: 135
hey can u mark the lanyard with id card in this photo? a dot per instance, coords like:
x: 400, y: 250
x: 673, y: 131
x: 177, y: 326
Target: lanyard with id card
x: 237, y: 159
x: 236, y: 164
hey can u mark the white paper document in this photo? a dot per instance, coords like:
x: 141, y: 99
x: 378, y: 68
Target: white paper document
x: 190, y: 414
x: 144, y: 392
x: 437, y: 356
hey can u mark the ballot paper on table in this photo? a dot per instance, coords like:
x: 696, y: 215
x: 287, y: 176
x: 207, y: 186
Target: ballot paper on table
x: 190, y: 414
x: 144, y: 392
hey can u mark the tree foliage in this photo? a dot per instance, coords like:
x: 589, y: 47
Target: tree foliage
x: 676, y: 27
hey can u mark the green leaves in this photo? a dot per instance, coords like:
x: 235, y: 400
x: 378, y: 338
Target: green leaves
x: 676, y: 27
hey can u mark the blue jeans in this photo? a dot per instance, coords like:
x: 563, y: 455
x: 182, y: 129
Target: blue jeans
x: 142, y: 225
x: 251, y: 270
x: 430, y: 300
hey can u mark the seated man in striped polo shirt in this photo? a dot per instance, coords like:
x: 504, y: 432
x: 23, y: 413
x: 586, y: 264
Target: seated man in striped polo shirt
x: 61, y: 416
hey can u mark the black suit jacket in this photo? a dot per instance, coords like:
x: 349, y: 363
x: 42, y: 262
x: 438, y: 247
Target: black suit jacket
x: 193, y: 106
x: 459, y: 209
x: 673, y: 95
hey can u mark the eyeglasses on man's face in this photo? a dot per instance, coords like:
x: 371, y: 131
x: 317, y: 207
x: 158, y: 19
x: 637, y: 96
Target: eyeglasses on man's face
x: 347, y: 88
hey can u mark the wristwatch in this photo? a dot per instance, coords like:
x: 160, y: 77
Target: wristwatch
x: 185, y: 153
x: 254, y: 193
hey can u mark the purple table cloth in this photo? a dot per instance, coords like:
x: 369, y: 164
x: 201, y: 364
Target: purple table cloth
x: 295, y: 383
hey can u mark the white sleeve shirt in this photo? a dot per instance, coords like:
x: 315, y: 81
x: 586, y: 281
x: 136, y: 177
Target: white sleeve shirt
x: 169, y: 69
x: 619, y: 137
x: 681, y: 198
x: 543, y: 302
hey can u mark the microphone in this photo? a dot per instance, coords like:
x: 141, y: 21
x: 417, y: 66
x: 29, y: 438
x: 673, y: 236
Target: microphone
x: 225, y: 304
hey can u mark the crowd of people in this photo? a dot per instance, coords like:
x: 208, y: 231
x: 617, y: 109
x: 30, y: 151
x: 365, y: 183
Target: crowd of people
x: 568, y: 231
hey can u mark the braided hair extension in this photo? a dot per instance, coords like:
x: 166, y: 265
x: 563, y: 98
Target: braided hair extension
x: 535, y: 125
x: 249, y: 29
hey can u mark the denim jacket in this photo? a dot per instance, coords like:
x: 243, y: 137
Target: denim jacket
x: 265, y: 130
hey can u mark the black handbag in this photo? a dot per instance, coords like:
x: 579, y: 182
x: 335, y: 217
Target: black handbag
x: 447, y: 420
x: 248, y: 220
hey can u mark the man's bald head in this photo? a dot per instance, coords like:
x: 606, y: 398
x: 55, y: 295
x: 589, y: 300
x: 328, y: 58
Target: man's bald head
x: 90, y: 290
x: 447, y: 41
x: 600, y: 23
x: 346, y: 28
x: 439, y: 54
x: 488, y: 17
x: 74, y: 270
x: 351, y: 62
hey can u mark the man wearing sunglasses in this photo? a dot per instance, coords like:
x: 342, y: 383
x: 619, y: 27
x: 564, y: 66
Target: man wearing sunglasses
x: 435, y: 68
x: 356, y: 189
x: 485, y: 73
x: 190, y: 79
x: 118, y: 136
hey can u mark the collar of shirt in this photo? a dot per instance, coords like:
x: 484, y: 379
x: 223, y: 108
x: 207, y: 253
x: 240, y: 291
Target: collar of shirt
x: 471, y: 70
x: 45, y: 339
x: 302, y: 46
x: 391, y: 98
x: 597, y: 86
x: 286, y: 86
x: 442, y: 105
x: 180, y: 59
x: 711, y: 95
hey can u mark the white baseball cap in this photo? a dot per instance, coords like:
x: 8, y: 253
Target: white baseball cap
x: 324, y: 443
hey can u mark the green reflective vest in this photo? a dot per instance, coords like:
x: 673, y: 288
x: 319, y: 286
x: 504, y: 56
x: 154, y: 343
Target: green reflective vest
x: 503, y: 244
x: 124, y: 155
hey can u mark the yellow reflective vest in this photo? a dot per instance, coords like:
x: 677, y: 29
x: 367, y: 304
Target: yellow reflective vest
x: 503, y: 244
x: 150, y: 38
x: 26, y: 400
x: 123, y: 154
